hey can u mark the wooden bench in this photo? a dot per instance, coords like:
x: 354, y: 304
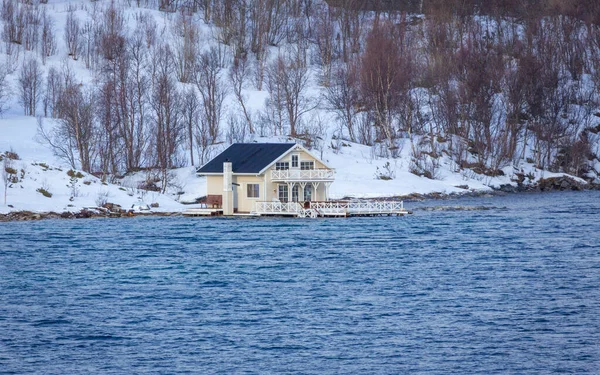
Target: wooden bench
x: 214, y: 201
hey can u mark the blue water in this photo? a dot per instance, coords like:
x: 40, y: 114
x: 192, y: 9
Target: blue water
x: 512, y: 289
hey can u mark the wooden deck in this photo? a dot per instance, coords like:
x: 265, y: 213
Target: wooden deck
x: 203, y: 212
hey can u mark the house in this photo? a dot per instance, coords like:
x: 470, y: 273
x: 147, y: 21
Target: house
x: 248, y: 174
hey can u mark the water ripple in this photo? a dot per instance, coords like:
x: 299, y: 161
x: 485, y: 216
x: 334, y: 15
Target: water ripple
x: 510, y: 287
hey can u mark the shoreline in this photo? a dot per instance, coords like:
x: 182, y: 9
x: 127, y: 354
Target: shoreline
x: 553, y: 186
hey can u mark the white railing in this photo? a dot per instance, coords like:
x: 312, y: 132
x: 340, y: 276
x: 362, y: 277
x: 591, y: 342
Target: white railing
x: 342, y: 208
x: 299, y: 174
x: 358, y: 207
x: 277, y: 207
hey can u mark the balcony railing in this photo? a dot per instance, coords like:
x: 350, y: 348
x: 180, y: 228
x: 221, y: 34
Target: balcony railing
x: 302, y: 175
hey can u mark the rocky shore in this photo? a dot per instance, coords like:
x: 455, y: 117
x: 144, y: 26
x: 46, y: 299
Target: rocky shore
x: 564, y: 183
x: 83, y: 214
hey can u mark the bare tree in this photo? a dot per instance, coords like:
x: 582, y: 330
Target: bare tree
x: 59, y: 139
x: 73, y: 138
x: 165, y: 103
x: 385, y: 76
x: 76, y: 115
x: 343, y: 96
x: 186, y: 39
x: 136, y: 135
x: 289, y: 75
x: 48, y: 39
x: 191, y: 117
x: 5, y: 89
x: 324, y: 39
x: 53, y: 88
x: 212, y: 90
x: 238, y: 75
x: 30, y: 85
x: 31, y: 29
x: 72, y: 33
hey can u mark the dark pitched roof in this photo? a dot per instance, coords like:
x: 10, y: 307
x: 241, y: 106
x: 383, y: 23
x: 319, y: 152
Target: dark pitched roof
x: 246, y: 157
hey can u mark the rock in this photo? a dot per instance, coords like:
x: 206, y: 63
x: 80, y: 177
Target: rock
x: 83, y: 214
x: 559, y: 183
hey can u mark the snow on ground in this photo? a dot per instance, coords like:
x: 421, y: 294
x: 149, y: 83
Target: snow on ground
x: 38, y: 169
x: 356, y: 176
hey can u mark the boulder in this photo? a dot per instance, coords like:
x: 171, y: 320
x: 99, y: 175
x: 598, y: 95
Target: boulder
x: 560, y: 183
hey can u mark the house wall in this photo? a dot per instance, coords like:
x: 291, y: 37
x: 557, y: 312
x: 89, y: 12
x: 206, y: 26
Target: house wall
x: 246, y: 204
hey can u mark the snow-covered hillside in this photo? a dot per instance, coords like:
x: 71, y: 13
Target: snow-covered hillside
x: 43, y: 179
x: 358, y: 174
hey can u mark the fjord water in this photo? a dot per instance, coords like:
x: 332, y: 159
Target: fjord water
x: 514, y: 288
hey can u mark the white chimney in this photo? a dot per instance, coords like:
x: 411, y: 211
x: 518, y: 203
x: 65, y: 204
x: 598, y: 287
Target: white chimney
x: 227, y: 189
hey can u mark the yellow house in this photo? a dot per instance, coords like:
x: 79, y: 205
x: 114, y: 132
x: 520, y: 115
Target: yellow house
x: 250, y: 175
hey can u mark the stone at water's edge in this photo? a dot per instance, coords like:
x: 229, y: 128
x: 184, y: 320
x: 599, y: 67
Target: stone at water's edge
x: 560, y: 183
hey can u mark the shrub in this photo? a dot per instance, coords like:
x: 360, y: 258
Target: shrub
x: 102, y: 198
x: 44, y: 192
x: 10, y: 170
x: 388, y: 172
x: 12, y: 155
x: 75, y: 174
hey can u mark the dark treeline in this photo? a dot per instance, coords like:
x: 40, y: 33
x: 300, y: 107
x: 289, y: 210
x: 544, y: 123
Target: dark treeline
x: 587, y: 10
x: 484, y: 92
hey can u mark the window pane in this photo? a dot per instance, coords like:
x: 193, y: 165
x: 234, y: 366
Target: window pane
x: 253, y: 190
x: 282, y: 166
x: 305, y: 165
x: 283, y: 193
x: 294, y: 161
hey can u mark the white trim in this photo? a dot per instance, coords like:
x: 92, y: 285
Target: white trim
x: 296, y: 147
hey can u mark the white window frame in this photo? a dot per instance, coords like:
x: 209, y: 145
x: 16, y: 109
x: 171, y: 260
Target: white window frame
x: 279, y: 192
x: 256, y: 190
x: 282, y: 166
x: 296, y: 159
x: 311, y: 162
